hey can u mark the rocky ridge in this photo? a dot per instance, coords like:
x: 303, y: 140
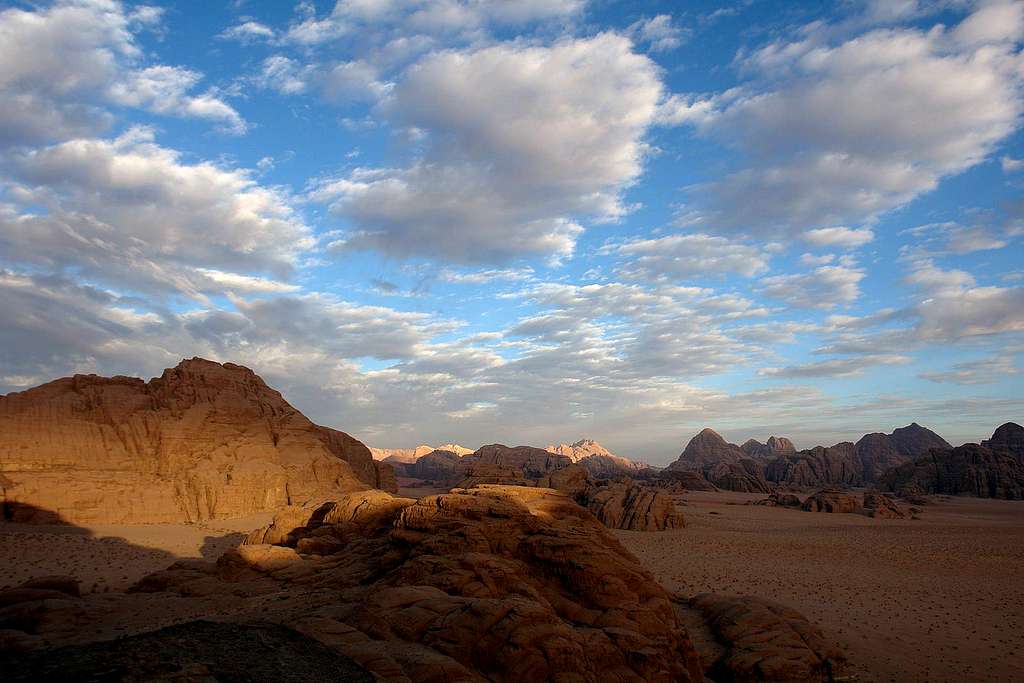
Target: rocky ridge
x: 203, y: 441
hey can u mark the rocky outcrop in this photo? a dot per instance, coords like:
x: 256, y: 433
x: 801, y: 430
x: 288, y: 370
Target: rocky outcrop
x: 774, y: 447
x: 202, y: 441
x: 725, y: 465
x: 496, y: 583
x: 439, y: 466
x: 991, y: 470
x: 683, y: 479
x: 882, y: 506
x: 407, y: 456
x: 599, y: 461
x: 783, y: 500
x: 834, y: 501
x: 765, y: 641
x: 852, y: 464
x: 193, y: 651
x: 633, y: 507
x: 1008, y: 439
x: 706, y: 449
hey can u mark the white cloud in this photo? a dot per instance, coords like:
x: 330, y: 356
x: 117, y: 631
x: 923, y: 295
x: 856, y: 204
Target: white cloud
x: 60, y: 66
x: 839, y: 237
x: 825, y: 287
x: 163, y: 90
x: 520, y: 140
x: 837, y: 367
x: 981, y: 371
x: 841, y: 132
x: 688, y: 256
x: 1011, y: 165
x: 659, y: 33
x: 248, y: 32
x: 129, y: 212
x: 399, y: 19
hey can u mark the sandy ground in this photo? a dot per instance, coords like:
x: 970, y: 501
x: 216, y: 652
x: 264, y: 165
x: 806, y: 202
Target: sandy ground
x: 935, y: 599
x: 109, y: 557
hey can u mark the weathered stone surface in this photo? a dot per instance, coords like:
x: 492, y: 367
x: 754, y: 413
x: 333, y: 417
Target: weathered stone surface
x: 766, y: 641
x: 832, y: 500
x: 849, y: 464
x: 631, y: 506
x: 1008, y: 439
x: 686, y: 479
x: 993, y: 470
x: 202, y: 441
x: 439, y: 466
x: 194, y: 651
x: 496, y: 583
x: 785, y: 500
x: 882, y: 506
x: 724, y: 465
x: 599, y: 462
x: 775, y: 446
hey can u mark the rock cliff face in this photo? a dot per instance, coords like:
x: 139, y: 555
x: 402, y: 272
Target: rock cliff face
x: 599, y: 461
x: 853, y: 464
x: 725, y: 465
x: 993, y: 469
x: 201, y: 441
x: 775, y: 446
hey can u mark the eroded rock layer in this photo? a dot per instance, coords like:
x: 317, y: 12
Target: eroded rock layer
x: 203, y: 440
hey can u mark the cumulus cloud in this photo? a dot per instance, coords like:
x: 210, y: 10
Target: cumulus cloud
x: 658, y: 33
x: 60, y: 66
x: 841, y: 131
x: 825, y: 287
x: 520, y: 140
x: 680, y: 257
x: 398, y: 19
x: 837, y: 367
x: 839, y: 237
x: 131, y: 213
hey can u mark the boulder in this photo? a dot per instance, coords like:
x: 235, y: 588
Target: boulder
x: 630, y: 506
x: 497, y: 583
x: 766, y: 641
x: 832, y: 500
x: 878, y: 504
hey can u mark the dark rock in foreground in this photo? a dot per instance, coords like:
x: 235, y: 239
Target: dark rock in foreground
x: 193, y: 651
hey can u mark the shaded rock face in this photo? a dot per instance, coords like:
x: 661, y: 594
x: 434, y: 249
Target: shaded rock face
x: 625, y: 505
x: 882, y: 506
x: 684, y: 479
x: 775, y: 446
x: 193, y: 651
x: 992, y: 470
x: 434, y: 466
x: 723, y: 464
x: 500, y: 583
x: 599, y: 461
x: 849, y: 464
x: 766, y: 641
x: 201, y: 441
x: 834, y: 501
x: 1008, y: 439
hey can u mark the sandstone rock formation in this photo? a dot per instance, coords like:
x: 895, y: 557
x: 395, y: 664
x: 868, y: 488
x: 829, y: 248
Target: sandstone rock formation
x: 599, y: 461
x: 626, y: 505
x: 852, y: 464
x: 498, y: 583
x: 784, y: 500
x: 766, y: 641
x: 725, y: 465
x: 438, y: 466
x: 882, y: 506
x: 775, y: 446
x: 193, y: 651
x: 994, y: 469
x: 202, y: 441
x: 832, y: 500
x: 407, y: 456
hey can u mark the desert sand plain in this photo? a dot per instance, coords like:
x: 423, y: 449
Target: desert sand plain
x: 940, y: 598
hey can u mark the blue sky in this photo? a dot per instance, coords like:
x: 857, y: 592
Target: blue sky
x: 527, y: 221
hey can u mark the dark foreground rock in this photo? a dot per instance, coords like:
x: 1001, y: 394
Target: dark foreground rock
x: 764, y: 641
x: 193, y: 651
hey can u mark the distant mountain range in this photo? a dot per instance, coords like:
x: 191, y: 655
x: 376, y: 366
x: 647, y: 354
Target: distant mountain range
x: 410, y: 455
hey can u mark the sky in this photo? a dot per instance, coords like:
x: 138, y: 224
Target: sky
x: 527, y: 221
